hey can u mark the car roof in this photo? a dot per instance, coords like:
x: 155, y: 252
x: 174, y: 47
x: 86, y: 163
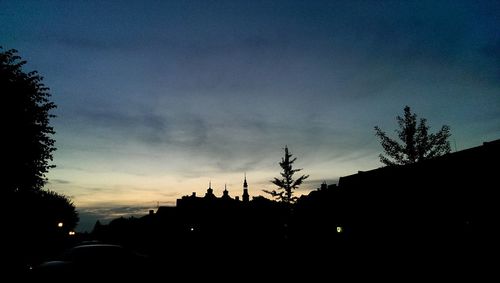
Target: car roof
x: 96, y: 252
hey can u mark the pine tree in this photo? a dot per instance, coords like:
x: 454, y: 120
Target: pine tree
x: 286, y: 184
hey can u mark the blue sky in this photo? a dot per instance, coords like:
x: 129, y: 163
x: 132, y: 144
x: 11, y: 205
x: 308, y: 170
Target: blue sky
x: 156, y: 98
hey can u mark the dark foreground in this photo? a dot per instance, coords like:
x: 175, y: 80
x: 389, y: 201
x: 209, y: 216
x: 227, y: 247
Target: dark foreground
x: 282, y: 262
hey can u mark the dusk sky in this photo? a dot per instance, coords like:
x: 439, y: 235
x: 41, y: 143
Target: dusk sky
x: 157, y: 98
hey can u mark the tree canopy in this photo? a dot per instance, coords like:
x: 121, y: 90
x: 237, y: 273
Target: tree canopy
x: 37, y: 221
x: 27, y: 134
x: 416, y: 144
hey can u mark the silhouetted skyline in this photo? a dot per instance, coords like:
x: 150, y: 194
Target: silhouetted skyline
x: 156, y: 99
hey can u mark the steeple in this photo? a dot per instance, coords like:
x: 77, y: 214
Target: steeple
x: 210, y: 192
x: 246, y: 197
x: 225, y: 193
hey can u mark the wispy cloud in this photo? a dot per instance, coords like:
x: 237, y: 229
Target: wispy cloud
x: 106, y: 212
x: 155, y: 100
x: 59, y: 181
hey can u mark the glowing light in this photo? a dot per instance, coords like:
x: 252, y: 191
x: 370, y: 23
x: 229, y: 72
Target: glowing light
x: 339, y: 229
x: 71, y: 233
x: 192, y: 229
x: 60, y: 224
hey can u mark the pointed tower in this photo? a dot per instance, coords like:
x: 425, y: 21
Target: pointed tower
x: 210, y: 192
x: 225, y: 193
x: 246, y: 197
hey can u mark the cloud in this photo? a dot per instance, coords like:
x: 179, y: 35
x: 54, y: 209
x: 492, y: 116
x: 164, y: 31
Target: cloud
x: 112, y: 212
x: 174, y: 90
x: 225, y: 143
x: 105, y: 212
x: 182, y: 130
x: 59, y: 181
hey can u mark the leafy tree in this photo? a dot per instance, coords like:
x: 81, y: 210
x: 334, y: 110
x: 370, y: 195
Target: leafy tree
x: 32, y: 226
x: 42, y: 210
x: 417, y: 144
x: 28, y: 135
x: 286, y: 184
x: 56, y: 206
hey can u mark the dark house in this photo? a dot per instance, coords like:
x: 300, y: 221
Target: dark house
x: 445, y: 200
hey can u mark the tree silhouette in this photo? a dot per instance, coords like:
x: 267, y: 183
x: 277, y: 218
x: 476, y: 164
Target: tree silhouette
x: 286, y: 184
x: 26, y: 125
x: 37, y: 221
x: 58, y: 207
x: 417, y: 144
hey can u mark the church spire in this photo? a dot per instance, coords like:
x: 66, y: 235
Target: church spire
x: 225, y: 194
x: 210, y: 192
x: 246, y: 197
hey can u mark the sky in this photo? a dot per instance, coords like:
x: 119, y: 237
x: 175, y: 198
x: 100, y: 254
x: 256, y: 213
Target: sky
x: 158, y: 98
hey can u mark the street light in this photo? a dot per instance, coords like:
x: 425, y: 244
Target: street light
x: 60, y: 224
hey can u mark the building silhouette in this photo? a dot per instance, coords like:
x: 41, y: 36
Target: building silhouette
x: 445, y: 208
x: 444, y: 198
x: 222, y: 220
x: 210, y: 200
